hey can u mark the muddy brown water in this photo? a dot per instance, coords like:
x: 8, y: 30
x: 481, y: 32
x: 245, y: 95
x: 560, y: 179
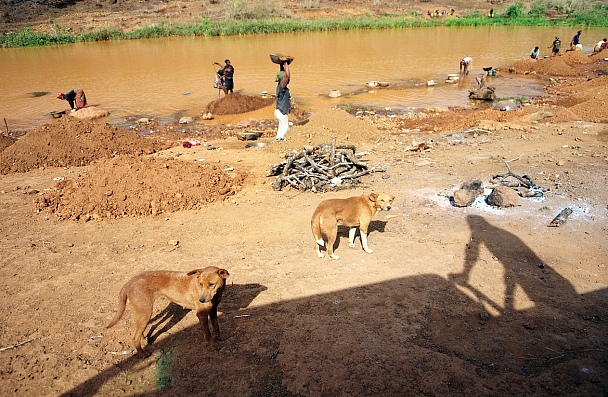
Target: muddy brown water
x: 173, y: 77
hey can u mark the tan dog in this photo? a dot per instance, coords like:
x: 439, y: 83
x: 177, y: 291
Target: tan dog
x: 351, y: 212
x: 200, y: 290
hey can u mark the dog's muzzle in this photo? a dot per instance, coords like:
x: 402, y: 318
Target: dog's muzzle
x: 202, y: 300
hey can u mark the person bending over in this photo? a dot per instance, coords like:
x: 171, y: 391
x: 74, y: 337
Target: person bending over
x: 75, y: 98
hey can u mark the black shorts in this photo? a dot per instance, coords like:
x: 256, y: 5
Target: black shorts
x: 228, y: 84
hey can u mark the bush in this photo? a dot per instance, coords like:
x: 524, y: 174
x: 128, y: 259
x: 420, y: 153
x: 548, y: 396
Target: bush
x: 513, y: 12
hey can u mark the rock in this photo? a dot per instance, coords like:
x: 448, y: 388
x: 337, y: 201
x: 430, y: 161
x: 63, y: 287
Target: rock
x: 464, y: 198
x: 468, y: 192
x: 207, y: 116
x: 505, y: 105
x: 483, y: 94
x: 503, y: 196
x: 186, y: 120
x: 475, y: 185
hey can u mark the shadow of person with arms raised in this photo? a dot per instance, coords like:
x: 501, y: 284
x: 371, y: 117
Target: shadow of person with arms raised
x: 521, y: 267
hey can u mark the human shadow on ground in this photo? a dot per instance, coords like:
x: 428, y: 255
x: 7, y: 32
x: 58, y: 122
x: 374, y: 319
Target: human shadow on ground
x: 417, y: 335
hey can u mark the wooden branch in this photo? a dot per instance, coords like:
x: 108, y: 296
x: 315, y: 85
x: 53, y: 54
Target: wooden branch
x: 16, y: 345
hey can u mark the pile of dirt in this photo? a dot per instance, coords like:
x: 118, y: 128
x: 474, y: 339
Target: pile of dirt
x: 237, y: 104
x: 5, y: 142
x: 131, y: 186
x: 90, y: 112
x: 68, y: 142
x: 565, y: 65
x: 326, y: 124
x: 554, y: 66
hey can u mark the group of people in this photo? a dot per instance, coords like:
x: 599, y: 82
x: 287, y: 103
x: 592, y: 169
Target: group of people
x: 438, y: 13
x: 601, y: 45
x: 224, y: 81
x: 575, y: 44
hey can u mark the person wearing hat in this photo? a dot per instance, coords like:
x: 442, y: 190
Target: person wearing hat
x: 75, y: 98
x: 555, y: 46
x: 227, y: 76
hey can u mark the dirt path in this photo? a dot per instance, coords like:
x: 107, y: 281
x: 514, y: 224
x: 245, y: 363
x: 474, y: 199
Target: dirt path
x: 458, y: 301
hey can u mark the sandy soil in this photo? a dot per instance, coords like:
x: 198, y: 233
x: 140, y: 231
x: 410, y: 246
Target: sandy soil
x: 454, y: 301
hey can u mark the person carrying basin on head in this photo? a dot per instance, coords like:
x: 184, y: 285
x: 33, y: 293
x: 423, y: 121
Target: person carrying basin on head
x: 283, y: 104
x: 76, y: 98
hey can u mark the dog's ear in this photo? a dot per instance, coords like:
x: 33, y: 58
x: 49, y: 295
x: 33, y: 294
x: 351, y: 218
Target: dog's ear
x: 190, y: 273
x: 373, y: 197
x: 223, y: 273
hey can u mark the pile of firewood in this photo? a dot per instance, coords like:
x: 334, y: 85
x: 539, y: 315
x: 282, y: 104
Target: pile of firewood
x: 321, y: 168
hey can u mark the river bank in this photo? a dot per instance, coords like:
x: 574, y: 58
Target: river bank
x: 29, y: 23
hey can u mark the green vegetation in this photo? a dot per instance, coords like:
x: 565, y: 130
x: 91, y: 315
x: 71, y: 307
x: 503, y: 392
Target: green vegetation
x: 264, y: 19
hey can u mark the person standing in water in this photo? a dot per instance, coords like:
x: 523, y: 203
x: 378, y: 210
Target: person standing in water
x: 555, y: 46
x: 464, y: 65
x: 227, y: 76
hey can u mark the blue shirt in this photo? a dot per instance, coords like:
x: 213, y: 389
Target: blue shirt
x: 283, y: 99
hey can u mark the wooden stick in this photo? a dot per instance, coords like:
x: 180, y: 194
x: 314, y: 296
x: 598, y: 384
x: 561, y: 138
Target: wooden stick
x: 15, y: 346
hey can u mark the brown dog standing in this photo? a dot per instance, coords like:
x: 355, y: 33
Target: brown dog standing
x: 200, y: 290
x: 351, y: 212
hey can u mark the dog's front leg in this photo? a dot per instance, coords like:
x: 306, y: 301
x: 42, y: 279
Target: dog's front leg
x: 351, y: 237
x: 203, y: 318
x: 214, y: 324
x: 364, y: 243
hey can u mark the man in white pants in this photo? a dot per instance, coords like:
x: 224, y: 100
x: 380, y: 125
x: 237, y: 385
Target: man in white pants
x: 283, y: 107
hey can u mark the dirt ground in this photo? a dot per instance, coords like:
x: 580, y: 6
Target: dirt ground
x: 454, y: 301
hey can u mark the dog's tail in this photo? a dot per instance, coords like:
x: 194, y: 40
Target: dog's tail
x: 315, y: 225
x: 121, y: 307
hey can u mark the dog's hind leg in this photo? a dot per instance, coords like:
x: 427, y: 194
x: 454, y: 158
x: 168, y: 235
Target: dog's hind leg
x: 351, y: 237
x: 318, y: 249
x: 143, y: 314
x: 316, y: 232
x: 332, y: 234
